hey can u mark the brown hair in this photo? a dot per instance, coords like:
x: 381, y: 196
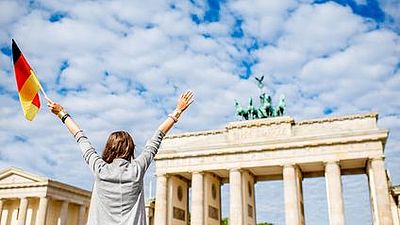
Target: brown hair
x: 119, y: 145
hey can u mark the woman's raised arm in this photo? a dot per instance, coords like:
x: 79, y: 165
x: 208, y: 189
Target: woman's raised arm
x: 95, y: 162
x: 183, y: 103
x: 58, y: 110
x: 153, y: 144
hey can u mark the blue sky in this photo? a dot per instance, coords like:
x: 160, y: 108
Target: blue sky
x: 121, y: 64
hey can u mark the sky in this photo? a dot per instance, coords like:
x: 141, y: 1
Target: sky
x: 120, y: 65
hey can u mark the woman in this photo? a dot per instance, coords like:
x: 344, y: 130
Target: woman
x: 118, y: 196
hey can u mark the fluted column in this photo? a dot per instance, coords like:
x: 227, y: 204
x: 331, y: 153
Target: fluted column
x: 149, y: 210
x: 379, y: 191
x: 292, y: 179
x: 197, y: 198
x: 1, y: 208
x: 334, y: 192
x: 23, y: 207
x: 64, y: 213
x: 81, y: 215
x: 160, y: 217
x: 398, y: 207
x: 395, y: 215
x: 42, y: 210
x: 236, y: 205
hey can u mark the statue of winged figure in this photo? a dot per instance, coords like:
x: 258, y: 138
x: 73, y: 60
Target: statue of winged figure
x: 265, y: 110
x: 260, y: 83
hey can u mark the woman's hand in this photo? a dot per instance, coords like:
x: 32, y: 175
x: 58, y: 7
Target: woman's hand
x: 184, y: 101
x: 54, y: 107
x: 58, y: 110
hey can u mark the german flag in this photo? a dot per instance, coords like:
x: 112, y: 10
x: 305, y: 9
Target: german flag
x: 27, y: 84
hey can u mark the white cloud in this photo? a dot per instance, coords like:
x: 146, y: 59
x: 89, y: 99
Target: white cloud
x: 392, y: 17
x: 263, y: 19
x: 320, y: 29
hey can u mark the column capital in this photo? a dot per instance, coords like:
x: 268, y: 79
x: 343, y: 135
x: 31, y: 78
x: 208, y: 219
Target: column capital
x: 377, y: 158
x: 294, y: 166
x: 197, y: 172
x: 65, y: 201
x: 331, y: 162
x: 238, y: 169
x: 162, y: 175
x: 288, y: 165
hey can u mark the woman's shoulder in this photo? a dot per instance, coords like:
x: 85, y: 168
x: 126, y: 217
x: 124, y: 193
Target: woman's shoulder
x: 119, y: 169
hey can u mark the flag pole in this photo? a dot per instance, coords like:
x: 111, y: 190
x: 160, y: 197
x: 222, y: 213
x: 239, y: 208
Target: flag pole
x: 44, y: 93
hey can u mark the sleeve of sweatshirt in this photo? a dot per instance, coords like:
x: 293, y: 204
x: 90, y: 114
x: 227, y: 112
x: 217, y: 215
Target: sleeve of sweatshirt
x: 95, y: 162
x: 151, y: 148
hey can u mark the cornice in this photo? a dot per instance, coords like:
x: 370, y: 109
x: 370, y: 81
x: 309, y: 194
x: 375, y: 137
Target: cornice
x: 339, y: 118
x: 195, y: 134
x: 278, y: 144
x: 39, y: 181
x: 69, y: 188
x: 269, y: 122
x: 259, y: 122
x: 24, y: 185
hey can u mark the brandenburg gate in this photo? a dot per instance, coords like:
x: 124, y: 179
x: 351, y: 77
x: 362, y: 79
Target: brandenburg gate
x: 279, y: 148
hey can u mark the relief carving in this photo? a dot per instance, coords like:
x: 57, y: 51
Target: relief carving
x: 178, y: 213
x: 250, y: 211
x: 213, y: 212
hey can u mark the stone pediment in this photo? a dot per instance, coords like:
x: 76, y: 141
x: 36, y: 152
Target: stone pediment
x: 17, y: 176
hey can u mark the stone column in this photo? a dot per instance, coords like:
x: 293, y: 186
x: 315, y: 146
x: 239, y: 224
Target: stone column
x: 395, y: 214
x: 149, y: 209
x: 379, y: 191
x: 292, y: 179
x: 42, y: 210
x: 148, y: 216
x: 81, y: 215
x: 248, y: 199
x: 160, y: 217
x: 23, y: 207
x: 197, y: 198
x: 1, y: 208
x: 64, y: 213
x: 398, y: 207
x: 236, y: 204
x: 334, y: 192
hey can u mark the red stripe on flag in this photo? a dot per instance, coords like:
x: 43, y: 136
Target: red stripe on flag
x: 36, y: 101
x: 22, y: 71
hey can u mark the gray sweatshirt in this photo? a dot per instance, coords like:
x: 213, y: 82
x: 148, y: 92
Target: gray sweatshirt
x: 118, y: 197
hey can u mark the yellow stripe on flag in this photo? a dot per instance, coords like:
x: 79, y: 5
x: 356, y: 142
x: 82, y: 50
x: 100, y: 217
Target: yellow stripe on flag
x: 28, y: 91
x: 29, y: 109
